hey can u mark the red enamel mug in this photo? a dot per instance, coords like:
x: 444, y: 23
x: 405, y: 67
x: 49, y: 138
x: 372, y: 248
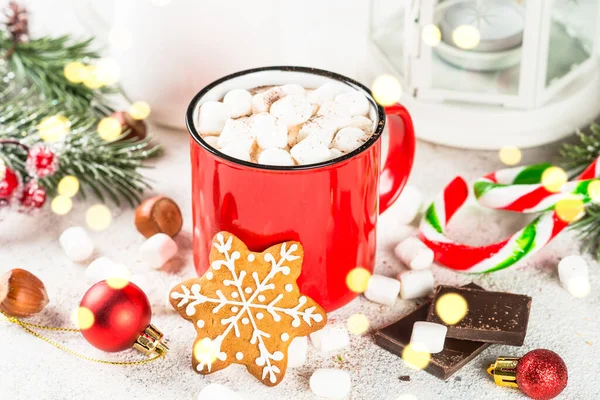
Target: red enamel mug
x: 330, y: 207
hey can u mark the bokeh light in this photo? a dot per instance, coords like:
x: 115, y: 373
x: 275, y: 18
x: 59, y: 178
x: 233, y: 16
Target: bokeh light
x: 386, y: 90
x: 357, y: 324
x: 451, y: 308
x: 68, y: 186
x: 431, y: 35
x: 83, y: 318
x: 108, y: 71
x: 120, y: 276
x: 61, y: 205
x: 594, y: 190
x: 120, y: 38
x: 98, y: 217
x: 206, y: 351
x: 569, y: 208
x: 510, y: 155
x: 466, y: 37
x: 54, y: 128
x: 76, y: 72
x: 139, y: 110
x: 93, y: 79
x: 415, y: 359
x: 109, y: 129
x: 358, y: 279
x: 553, y: 179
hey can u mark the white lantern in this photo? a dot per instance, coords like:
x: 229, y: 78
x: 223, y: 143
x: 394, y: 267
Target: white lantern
x: 491, y: 73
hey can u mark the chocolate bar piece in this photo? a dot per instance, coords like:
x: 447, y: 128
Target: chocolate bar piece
x: 492, y: 317
x: 456, y: 353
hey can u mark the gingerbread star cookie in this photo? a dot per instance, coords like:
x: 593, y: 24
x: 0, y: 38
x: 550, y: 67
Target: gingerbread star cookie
x: 247, y: 308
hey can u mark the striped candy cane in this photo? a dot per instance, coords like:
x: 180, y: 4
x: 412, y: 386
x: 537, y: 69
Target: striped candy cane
x: 515, y: 189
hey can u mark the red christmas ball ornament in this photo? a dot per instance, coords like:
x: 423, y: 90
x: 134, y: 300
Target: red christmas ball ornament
x: 114, y: 315
x: 34, y: 196
x: 541, y: 374
x: 41, y: 161
x: 8, y: 185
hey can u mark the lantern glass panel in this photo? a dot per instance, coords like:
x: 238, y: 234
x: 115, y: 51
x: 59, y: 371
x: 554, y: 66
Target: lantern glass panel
x: 388, y: 23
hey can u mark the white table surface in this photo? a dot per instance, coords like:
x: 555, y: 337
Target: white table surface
x: 32, y: 369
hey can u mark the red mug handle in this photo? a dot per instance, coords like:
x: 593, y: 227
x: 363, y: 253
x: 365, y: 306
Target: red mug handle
x: 401, y: 153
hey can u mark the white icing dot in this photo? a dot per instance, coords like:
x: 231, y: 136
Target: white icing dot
x: 318, y: 317
x: 248, y: 290
x: 251, y: 257
x: 239, y: 355
x: 285, y: 337
x: 209, y: 275
x: 278, y: 356
x: 289, y: 287
x: 234, y: 295
x: 195, y: 287
x: 261, y: 297
x: 285, y: 270
x: 200, y: 324
x: 296, y: 323
x: 260, y: 315
x: 234, y: 309
x: 260, y: 361
x: 245, y: 321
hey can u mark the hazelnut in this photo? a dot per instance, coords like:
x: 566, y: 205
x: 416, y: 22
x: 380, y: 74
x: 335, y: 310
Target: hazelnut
x: 22, y: 294
x: 158, y: 214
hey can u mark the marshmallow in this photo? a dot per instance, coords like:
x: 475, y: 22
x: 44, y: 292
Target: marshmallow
x: 326, y: 92
x: 415, y: 284
x: 349, y: 139
x: 320, y: 127
x: 215, y: 391
x: 76, y: 243
x: 292, y: 110
x: 212, y: 141
x: 428, y: 337
x: 292, y: 88
x: 573, y: 274
x: 362, y: 123
x: 336, y: 112
x: 330, y: 338
x: 275, y: 157
x: 409, y: 204
x: 382, y: 290
x: 297, y: 351
x: 330, y: 383
x: 103, y: 268
x: 354, y: 102
x: 157, y: 250
x: 334, y: 153
x: 234, y: 130
x: 212, y: 118
x: 310, y: 151
x: 261, y: 102
x: 239, y: 102
x: 414, y: 254
x: 269, y: 131
x: 239, y: 149
x: 293, y: 135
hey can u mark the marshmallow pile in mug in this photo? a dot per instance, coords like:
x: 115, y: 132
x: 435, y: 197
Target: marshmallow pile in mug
x: 287, y: 125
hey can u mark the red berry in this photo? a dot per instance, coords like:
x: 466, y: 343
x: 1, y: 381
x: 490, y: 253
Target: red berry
x: 9, y: 184
x: 34, y: 196
x: 41, y: 161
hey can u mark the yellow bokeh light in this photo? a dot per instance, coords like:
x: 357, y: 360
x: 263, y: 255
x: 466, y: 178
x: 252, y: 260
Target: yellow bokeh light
x: 431, y: 35
x: 570, y: 208
x: 206, y: 351
x: 386, y: 90
x: 68, y: 186
x: 76, y: 72
x: 61, y: 205
x: 357, y: 324
x: 139, y: 110
x: 108, y: 71
x: 109, y: 129
x: 510, y: 155
x: 119, y: 277
x: 98, y: 217
x: 117, y: 283
x: 553, y: 179
x: 415, y: 359
x: 93, y: 79
x: 594, y: 190
x: 466, y: 37
x: 358, y: 279
x: 451, y: 308
x: 54, y: 128
x: 83, y: 318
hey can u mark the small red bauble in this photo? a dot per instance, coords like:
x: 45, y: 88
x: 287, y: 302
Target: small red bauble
x: 41, y: 161
x: 121, y: 315
x: 542, y: 374
x: 34, y: 196
x: 9, y: 184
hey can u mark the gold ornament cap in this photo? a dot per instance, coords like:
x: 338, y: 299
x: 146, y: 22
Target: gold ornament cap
x: 504, y: 371
x: 150, y: 342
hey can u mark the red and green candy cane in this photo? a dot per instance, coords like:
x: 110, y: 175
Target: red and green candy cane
x: 515, y: 189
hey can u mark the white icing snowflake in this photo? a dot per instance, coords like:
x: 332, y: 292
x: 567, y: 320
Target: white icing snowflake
x: 244, y: 305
